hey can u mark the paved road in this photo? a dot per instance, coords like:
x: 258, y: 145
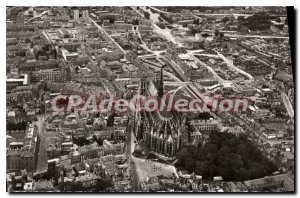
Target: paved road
x: 232, y: 66
x: 191, y: 88
x: 39, y: 15
x: 205, y: 65
x: 287, y: 104
x: 102, y: 30
x: 42, y: 156
x: 47, y: 38
x: 129, y: 150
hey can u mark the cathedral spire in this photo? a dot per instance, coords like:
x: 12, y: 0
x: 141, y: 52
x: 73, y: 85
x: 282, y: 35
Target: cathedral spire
x: 161, y: 83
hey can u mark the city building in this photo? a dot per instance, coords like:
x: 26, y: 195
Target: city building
x: 76, y: 14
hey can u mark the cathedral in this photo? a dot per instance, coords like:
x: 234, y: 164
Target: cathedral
x: 161, y: 131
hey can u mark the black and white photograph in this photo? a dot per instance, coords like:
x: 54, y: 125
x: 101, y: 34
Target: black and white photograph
x: 150, y: 99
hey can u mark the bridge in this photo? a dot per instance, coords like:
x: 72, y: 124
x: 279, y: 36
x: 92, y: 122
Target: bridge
x: 224, y: 31
x: 37, y: 16
x: 171, y: 83
x: 223, y: 14
x: 256, y: 36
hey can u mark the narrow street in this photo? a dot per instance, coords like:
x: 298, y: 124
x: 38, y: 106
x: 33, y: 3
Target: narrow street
x: 215, y: 75
x: 233, y: 67
x: 102, y: 30
x: 42, y: 156
x: 129, y: 150
x: 287, y: 104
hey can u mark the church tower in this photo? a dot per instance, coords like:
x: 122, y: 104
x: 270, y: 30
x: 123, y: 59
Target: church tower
x: 161, y: 83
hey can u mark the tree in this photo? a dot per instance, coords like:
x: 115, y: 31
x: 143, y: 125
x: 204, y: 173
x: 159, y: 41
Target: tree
x: 233, y: 158
x: 201, y: 167
x: 103, y: 185
x: 98, y: 140
x: 16, y: 126
x: 73, y: 186
x: 204, y: 116
x: 135, y: 22
x: 224, y: 149
x: 111, y: 120
x: 211, y: 147
x: 221, y: 35
x: 278, y: 20
x: 225, y: 19
x: 27, y: 40
x: 259, y: 21
x: 189, y: 164
x: 205, y: 188
x: 168, y: 19
x: 212, y: 169
x: 111, y: 20
x: 241, y: 18
x: 217, y: 32
x: 81, y: 141
x: 147, y: 15
x: 196, y: 21
x: 205, y: 35
x: 193, y: 31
